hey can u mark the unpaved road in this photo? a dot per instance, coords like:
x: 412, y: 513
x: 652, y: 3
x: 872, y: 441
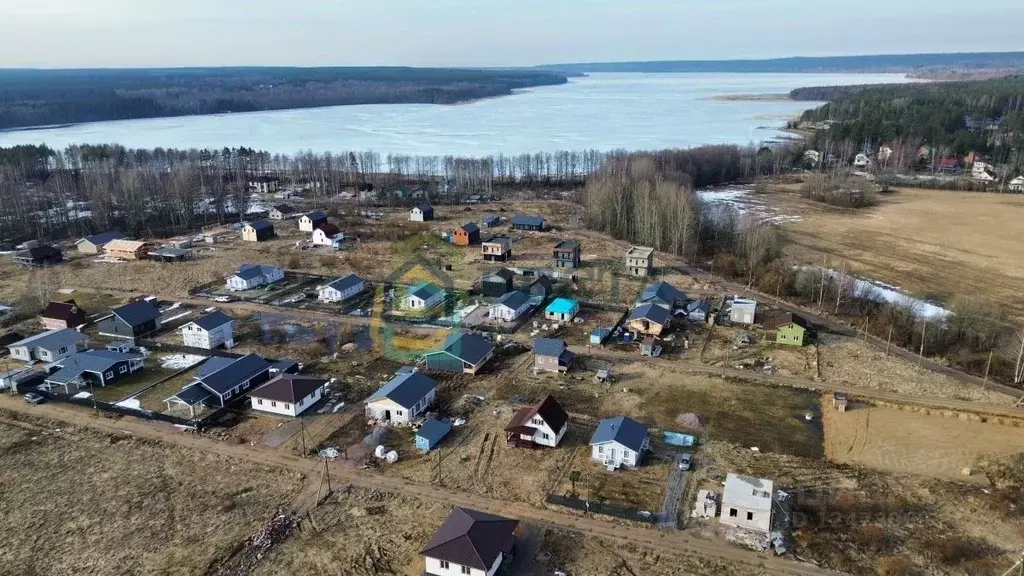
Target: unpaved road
x: 668, y: 542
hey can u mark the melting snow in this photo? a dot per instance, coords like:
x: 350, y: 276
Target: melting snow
x: 742, y: 200
x: 180, y: 361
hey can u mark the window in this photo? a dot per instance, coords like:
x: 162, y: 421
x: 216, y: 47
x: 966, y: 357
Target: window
x: 444, y: 564
x: 466, y: 570
x: 122, y: 369
x: 227, y: 394
x: 301, y: 401
x: 63, y: 350
x: 732, y: 513
x: 544, y: 436
x: 259, y: 401
x: 273, y: 404
x: 287, y: 406
x: 110, y: 374
x: 600, y: 449
x: 398, y: 412
x: 750, y: 515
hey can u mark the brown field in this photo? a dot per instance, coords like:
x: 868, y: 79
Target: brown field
x: 933, y: 243
x: 81, y: 502
x: 910, y: 442
x: 641, y: 488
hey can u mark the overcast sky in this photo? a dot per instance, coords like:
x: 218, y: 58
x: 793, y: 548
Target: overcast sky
x: 121, y: 33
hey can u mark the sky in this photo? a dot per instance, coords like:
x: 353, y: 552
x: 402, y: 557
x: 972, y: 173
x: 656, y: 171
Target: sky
x: 155, y: 33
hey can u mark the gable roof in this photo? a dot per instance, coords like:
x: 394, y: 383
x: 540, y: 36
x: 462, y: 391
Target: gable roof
x: 621, y: 429
x: 288, y: 388
x: 469, y: 227
x: 434, y: 429
x: 562, y: 306
x: 699, y: 305
x: 316, y: 215
x: 491, y: 219
x: 39, y: 253
x: 567, y: 246
x: 544, y: 281
x: 124, y: 245
x: 469, y: 347
x: 504, y: 274
x: 95, y: 361
x: 226, y: 376
x: 548, y: 346
x: 260, y: 225
x: 650, y: 312
x: 425, y: 208
x: 212, y: 320
x: 137, y: 313
x: 425, y: 290
x: 527, y: 221
x: 471, y: 538
x: 662, y: 291
x: 328, y: 229
x: 514, y: 299
x: 52, y: 339
x: 405, y: 389
x: 344, y: 283
x: 61, y: 310
x: 251, y: 271
x: 102, y: 238
x: 783, y: 319
x: 548, y: 409
x: 284, y: 208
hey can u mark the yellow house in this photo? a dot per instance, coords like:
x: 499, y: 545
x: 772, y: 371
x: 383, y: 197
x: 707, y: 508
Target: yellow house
x: 258, y: 231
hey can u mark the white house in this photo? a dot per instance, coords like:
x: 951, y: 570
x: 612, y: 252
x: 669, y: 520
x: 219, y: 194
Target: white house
x: 423, y: 295
x: 309, y: 221
x: 510, y: 306
x: 49, y: 346
x: 209, y: 331
x: 1017, y: 184
x: 544, y: 424
x: 469, y: 542
x: 747, y: 503
x: 249, y: 276
x: 983, y: 172
x: 288, y: 394
x: 619, y: 442
x: 421, y: 213
x: 402, y: 399
x: 341, y: 289
x: 327, y: 235
x: 862, y: 160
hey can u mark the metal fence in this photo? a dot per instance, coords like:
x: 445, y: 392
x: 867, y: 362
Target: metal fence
x: 92, y: 402
x: 603, y: 508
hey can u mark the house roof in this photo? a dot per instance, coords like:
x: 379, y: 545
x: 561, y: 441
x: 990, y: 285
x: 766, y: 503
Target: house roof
x: 783, y: 319
x: 405, y: 389
x: 229, y: 375
x: 284, y: 208
x: 425, y: 290
x: 548, y: 409
x: 504, y: 275
x: 544, y: 281
x: 288, y: 388
x: 470, y: 227
x: 567, y: 246
x: 601, y: 332
x: 52, y: 339
x: 661, y: 291
x: 260, y: 225
x: 345, y: 282
x: 944, y: 162
x: 38, y: 253
x: 61, y: 310
x: 193, y: 394
x: 514, y: 299
x: 527, y: 221
x: 102, y: 238
x: 548, y: 346
x: 623, y: 430
x: 328, y: 229
x: 471, y: 538
x: 650, y: 312
x: 491, y: 219
x: 640, y: 252
x: 701, y: 305
x: 469, y: 347
x: 316, y: 215
x: 503, y: 240
x: 169, y: 252
x: 94, y: 361
x: 288, y: 366
x: 212, y: 320
x: 125, y: 245
x: 425, y: 208
x: 747, y: 492
x: 745, y: 303
x: 562, y: 306
x: 250, y: 271
x: 137, y: 313
x: 434, y: 430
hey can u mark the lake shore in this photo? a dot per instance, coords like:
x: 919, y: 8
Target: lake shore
x: 750, y: 98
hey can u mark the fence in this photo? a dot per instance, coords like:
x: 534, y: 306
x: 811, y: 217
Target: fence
x: 155, y: 346
x: 92, y: 402
x: 603, y: 508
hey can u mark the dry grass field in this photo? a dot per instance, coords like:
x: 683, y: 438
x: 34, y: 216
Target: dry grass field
x: 76, y: 501
x: 933, y: 243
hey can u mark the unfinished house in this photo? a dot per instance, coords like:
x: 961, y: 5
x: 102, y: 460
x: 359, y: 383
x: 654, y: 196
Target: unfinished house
x: 497, y: 283
x: 640, y: 261
x: 94, y: 244
x: 743, y: 311
x: 567, y: 254
x: 126, y: 249
x: 497, y: 249
x: 747, y: 503
x: 649, y: 319
x: 312, y: 220
x: 467, y: 234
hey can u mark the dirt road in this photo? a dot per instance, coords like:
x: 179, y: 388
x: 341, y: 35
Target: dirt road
x: 668, y: 542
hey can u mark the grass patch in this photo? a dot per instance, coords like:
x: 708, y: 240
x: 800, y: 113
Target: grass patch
x: 131, y: 384
x: 153, y: 399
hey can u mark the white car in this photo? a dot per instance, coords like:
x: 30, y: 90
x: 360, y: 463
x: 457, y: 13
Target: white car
x: 685, y: 461
x: 222, y: 299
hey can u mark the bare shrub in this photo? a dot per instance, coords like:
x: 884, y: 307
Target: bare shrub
x: 894, y: 566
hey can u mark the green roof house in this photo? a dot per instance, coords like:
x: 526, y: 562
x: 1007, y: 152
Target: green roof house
x: 790, y: 329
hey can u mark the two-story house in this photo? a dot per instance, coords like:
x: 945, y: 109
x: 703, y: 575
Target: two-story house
x: 467, y: 234
x: 470, y: 543
x: 640, y: 261
x: 312, y: 220
x: 60, y: 315
x: 209, y: 331
x: 551, y: 355
x: 258, y: 231
x: 543, y: 424
x: 138, y: 319
x: 497, y: 249
x: 567, y: 254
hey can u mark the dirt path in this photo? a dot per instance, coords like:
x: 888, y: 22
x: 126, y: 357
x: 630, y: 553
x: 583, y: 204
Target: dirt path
x: 667, y: 542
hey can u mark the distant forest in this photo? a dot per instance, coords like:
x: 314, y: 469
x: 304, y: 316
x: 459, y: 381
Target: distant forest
x: 53, y: 97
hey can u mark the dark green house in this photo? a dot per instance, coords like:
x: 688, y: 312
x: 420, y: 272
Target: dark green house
x: 790, y: 329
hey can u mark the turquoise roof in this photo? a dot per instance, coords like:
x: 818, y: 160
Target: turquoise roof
x: 563, y: 306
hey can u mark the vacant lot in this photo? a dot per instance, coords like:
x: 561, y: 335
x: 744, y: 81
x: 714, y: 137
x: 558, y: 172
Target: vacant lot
x: 929, y: 242
x: 905, y: 441
x: 77, y: 501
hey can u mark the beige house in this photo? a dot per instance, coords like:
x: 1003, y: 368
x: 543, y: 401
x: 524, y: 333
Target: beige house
x: 126, y: 249
x: 747, y: 503
x: 258, y: 231
x: 640, y: 261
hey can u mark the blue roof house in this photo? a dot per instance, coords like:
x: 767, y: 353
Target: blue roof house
x: 619, y: 442
x: 402, y: 398
x: 534, y: 223
x: 431, y: 432
x: 599, y: 335
x: 562, y: 309
x: 219, y: 381
x: 464, y: 352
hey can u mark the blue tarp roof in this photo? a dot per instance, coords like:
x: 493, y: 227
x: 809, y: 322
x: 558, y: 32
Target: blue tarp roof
x: 623, y: 430
x: 562, y: 306
x: 405, y: 389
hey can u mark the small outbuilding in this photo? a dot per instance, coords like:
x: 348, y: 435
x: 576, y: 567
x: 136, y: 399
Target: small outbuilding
x: 421, y: 213
x: 840, y: 400
x: 743, y: 311
x: 599, y: 335
x: 790, y: 329
x: 431, y: 433
x: 258, y: 231
x: 562, y: 309
x: 467, y: 234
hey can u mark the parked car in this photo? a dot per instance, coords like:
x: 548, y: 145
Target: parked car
x: 223, y: 299
x: 685, y: 461
x: 33, y: 398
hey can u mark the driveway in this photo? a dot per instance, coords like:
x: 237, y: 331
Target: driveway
x: 669, y: 513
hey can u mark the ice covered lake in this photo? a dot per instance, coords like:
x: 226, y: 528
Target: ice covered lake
x: 601, y: 112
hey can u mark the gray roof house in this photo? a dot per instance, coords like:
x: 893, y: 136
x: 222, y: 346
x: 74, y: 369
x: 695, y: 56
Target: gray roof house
x: 48, y: 346
x: 219, y: 380
x: 619, y: 442
x: 466, y: 352
x: 94, y: 243
x: 134, y: 320
x: 551, y: 355
x: 94, y: 368
x: 469, y: 542
x: 535, y: 223
x: 663, y: 294
x: 402, y: 398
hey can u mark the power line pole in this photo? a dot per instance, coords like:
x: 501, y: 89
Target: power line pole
x: 920, y: 353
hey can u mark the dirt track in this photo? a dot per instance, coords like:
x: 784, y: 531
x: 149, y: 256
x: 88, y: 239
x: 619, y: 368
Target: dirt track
x: 669, y: 542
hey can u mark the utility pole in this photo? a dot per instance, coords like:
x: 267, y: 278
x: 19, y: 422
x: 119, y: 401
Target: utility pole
x: 988, y: 364
x: 924, y: 331
x: 302, y: 434
x: 888, y: 341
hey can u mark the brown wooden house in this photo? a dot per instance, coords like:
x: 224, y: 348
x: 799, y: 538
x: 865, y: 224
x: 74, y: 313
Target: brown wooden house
x: 60, y: 315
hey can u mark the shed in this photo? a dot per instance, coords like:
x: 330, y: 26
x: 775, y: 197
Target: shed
x: 431, y: 432
x: 467, y: 234
x: 258, y: 231
x: 599, y: 335
x: 497, y: 283
x: 491, y: 221
x: 562, y: 309
x: 840, y: 400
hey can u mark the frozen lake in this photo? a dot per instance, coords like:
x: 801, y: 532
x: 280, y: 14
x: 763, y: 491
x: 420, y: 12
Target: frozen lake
x: 602, y: 112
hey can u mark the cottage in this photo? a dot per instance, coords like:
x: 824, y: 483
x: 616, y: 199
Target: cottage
x: 466, y: 352
x: 661, y: 294
x: 421, y: 213
x: 743, y: 311
x: 60, y: 315
x: 528, y: 223
x: 431, y: 432
x: 467, y: 234
x: 697, y: 310
x: 402, y: 398
x: 288, y: 394
x: 94, y: 244
x: 1017, y: 184
x: 789, y: 328
x: 470, y: 542
x: 423, y: 295
x: 491, y: 221
x: 497, y: 249
x: 126, y: 249
x: 48, y: 346
x: 281, y: 212
x: 327, y: 234
x: 249, y: 276
x: 747, y: 503
x: 209, y: 331
x: 135, y: 320
x: 640, y: 261
x: 619, y: 442
x: 38, y: 256
x: 551, y: 355
x: 341, y: 289
x: 543, y: 424
x: 567, y: 254
x: 840, y: 401
x: 497, y: 283
x: 312, y: 220
x: 510, y: 306
x: 649, y: 319
x: 93, y: 368
x: 541, y: 288
x: 946, y: 164
x: 258, y: 231
x: 562, y: 309
x: 221, y: 380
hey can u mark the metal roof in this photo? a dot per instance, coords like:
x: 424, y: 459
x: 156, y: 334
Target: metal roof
x: 233, y: 374
x: 621, y: 429
x: 284, y: 208
x: 470, y: 227
x: 316, y: 215
x: 52, y: 339
x: 212, y: 365
x: 94, y: 361
x: 211, y: 321
x: 61, y: 310
x: 289, y: 388
x: 424, y: 290
x: 137, y: 313
x: 471, y: 538
x: 563, y: 306
x: 747, y: 492
x: 504, y: 274
x: 514, y: 299
x: 567, y: 245
x: 261, y: 225
x: 548, y: 409
x: 467, y: 346
x: 344, y: 283
x: 193, y: 394
x: 661, y: 291
x: 527, y: 221
x: 251, y: 271
x: 548, y: 346
x: 434, y: 430
x: 651, y: 312
x: 102, y: 238
x: 405, y: 389
x: 490, y: 220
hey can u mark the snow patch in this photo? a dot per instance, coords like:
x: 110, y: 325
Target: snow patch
x: 878, y: 291
x: 130, y: 403
x: 742, y: 200
x: 180, y: 361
